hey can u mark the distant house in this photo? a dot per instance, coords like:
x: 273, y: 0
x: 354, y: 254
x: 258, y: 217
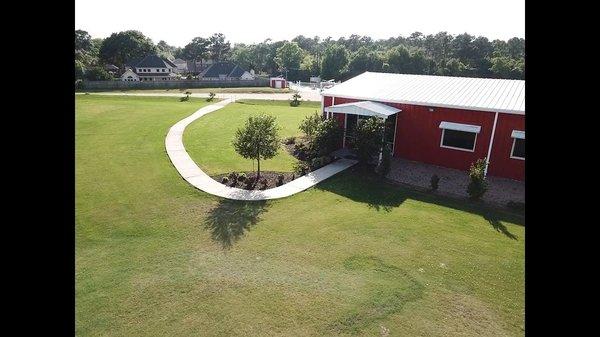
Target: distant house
x: 181, y: 66
x: 130, y: 76
x: 226, y: 71
x: 197, y: 67
x: 149, y: 68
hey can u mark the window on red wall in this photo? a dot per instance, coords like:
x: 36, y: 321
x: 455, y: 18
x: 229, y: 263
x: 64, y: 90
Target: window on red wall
x: 518, y: 149
x: 460, y: 140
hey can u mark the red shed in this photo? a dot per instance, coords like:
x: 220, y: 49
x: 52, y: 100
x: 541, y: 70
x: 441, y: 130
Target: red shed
x: 278, y: 82
x: 439, y: 120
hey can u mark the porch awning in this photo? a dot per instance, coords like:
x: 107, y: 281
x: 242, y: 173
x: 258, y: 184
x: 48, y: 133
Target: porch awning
x: 364, y: 108
x: 518, y: 134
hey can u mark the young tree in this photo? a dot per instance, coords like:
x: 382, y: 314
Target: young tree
x: 369, y: 138
x: 258, y: 139
x: 309, y: 125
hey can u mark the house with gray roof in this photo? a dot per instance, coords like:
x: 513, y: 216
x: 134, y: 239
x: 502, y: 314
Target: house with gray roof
x: 226, y: 71
x: 149, y: 68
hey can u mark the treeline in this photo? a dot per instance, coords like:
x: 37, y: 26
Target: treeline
x: 439, y: 54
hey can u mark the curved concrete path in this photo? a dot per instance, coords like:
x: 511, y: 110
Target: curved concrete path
x: 194, y: 175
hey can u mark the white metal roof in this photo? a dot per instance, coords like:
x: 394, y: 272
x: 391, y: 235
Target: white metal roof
x: 484, y: 94
x: 364, y: 108
x: 460, y: 127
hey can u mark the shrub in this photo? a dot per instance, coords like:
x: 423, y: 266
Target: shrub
x: 383, y: 168
x: 279, y: 180
x: 233, y: 176
x: 477, y: 186
x: 242, y: 177
x: 296, y: 100
x: 303, y: 151
x: 327, y: 138
x: 369, y: 138
x: 289, y: 140
x: 316, y: 163
x: 224, y: 180
x: 310, y: 124
x: 293, y: 177
x: 434, y: 182
x: 301, y: 168
x: 211, y: 96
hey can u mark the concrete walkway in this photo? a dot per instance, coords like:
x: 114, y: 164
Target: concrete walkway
x: 306, y: 96
x: 194, y: 175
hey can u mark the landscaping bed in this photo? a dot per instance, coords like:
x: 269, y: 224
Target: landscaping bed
x: 247, y: 180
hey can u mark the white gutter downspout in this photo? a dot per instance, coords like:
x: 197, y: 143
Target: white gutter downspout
x: 490, y: 147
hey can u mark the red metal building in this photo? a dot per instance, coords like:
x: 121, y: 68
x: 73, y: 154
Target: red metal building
x: 439, y: 120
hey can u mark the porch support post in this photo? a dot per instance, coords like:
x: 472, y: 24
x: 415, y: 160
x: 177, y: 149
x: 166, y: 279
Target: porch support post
x: 382, y: 141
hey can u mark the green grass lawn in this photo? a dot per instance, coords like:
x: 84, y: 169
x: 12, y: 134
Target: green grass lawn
x: 351, y: 257
x: 208, y: 139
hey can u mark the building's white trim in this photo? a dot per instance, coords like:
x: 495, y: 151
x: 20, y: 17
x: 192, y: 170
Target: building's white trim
x: 458, y: 148
x: 460, y: 127
x: 512, y: 150
x: 487, y: 159
x: 518, y: 134
x: 429, y: 104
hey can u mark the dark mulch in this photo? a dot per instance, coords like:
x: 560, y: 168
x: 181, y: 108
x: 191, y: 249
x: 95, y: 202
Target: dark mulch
x: 270, y: 177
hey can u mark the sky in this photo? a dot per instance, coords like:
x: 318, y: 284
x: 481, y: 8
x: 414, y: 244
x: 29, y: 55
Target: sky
x: 251, y: 21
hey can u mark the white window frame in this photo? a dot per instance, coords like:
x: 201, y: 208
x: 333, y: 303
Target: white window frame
x: 512, y: 150
x: 458, y: 148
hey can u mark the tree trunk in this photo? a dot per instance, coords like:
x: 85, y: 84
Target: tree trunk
x: 258, y: 169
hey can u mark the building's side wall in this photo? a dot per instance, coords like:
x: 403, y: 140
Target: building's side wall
x: 418, y: 137
x: 500, y: 162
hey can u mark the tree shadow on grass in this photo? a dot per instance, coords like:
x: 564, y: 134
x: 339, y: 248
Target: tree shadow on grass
x: 360, y: 184
x: 231, y: 219
x: 496, y: 223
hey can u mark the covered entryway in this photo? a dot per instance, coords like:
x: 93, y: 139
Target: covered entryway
x: 354, y: 112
